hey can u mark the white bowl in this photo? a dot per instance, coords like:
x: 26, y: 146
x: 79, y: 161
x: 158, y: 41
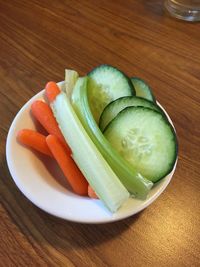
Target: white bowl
x: 41, y: 181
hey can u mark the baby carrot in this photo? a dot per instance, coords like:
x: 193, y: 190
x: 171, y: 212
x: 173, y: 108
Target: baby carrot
x: 91, y: 192
x: 34, y: 140
x: 52, y: 90
x: 74, y: 176
x: 44, y: 115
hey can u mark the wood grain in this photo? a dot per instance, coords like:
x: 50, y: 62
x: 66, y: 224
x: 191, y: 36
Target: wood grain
x: 38, y: 40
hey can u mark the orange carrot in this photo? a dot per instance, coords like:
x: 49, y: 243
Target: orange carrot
x: 44, y: 115
x: 34, y: 140
x: 52, y: 90
x: 74, y: 176
x: 91, y: 192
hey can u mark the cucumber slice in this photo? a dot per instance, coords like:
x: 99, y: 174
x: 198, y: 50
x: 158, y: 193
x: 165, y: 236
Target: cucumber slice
x: 90, y: 161
x: 136, y: 184
x: 106, y: 84
x: 145, y: 139
x: 142, y: 89
x: 112, y: 109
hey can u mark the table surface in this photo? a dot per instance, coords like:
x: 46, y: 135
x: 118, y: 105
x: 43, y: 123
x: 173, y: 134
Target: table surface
x: 38, y: 40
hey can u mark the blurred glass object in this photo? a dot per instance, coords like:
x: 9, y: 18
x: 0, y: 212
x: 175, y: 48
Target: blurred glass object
x: 184, y: 9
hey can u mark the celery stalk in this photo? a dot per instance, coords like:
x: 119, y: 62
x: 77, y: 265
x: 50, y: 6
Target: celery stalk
x: 136, y: 184
x: 90, y: 161
x: 71, y: 77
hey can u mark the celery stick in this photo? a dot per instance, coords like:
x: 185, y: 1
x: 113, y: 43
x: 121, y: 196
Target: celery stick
x: 71, y: 77
x: 132, y: 180
x: 90, y: 161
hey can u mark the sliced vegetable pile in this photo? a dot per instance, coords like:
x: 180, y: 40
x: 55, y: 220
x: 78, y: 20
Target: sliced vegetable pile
x: 107, y: 134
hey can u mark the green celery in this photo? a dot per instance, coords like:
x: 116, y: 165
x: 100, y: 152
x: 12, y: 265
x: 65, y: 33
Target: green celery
x: 71, y: 77
x: 88, y: 158
x: 136, y: 184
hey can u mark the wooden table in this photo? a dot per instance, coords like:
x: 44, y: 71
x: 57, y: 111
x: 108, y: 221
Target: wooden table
x: 38, y: 40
